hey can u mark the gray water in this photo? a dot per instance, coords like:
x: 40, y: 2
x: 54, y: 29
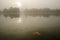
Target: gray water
x: 10, y: 26
x: 31, y: 23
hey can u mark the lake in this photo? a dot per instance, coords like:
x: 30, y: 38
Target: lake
x: 23, y: 27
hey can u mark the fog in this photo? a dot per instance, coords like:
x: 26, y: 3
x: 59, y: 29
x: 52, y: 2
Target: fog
x: 53, y: 4
x: 29, y: 24
x: 29, y: 19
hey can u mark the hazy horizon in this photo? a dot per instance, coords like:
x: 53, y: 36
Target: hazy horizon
x: 53, y: 4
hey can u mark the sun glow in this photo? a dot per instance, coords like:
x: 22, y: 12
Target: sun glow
x: 18, y: 4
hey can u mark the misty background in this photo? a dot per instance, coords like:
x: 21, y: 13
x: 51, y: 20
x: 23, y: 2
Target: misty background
x: 41, y: 16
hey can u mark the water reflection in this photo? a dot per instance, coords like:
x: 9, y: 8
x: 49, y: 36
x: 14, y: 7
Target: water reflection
x: 25, y: 25
x: 31, y: 22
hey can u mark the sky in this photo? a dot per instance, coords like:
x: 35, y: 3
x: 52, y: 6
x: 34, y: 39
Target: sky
x: 53, y: 4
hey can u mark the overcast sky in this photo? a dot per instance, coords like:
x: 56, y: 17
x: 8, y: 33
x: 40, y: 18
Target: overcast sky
x: 31, y: 3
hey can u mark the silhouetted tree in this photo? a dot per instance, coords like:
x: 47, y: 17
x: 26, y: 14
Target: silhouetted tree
x: 42, y: 12
x: 12, y: 12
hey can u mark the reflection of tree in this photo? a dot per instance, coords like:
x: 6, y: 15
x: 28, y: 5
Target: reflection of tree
x: 0, y: 12
x: 5, y: 11
x: 12, y: 12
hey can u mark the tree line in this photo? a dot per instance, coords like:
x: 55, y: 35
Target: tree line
x: 15, y: 12
x: 12, y: 12
x: 42, y: 12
